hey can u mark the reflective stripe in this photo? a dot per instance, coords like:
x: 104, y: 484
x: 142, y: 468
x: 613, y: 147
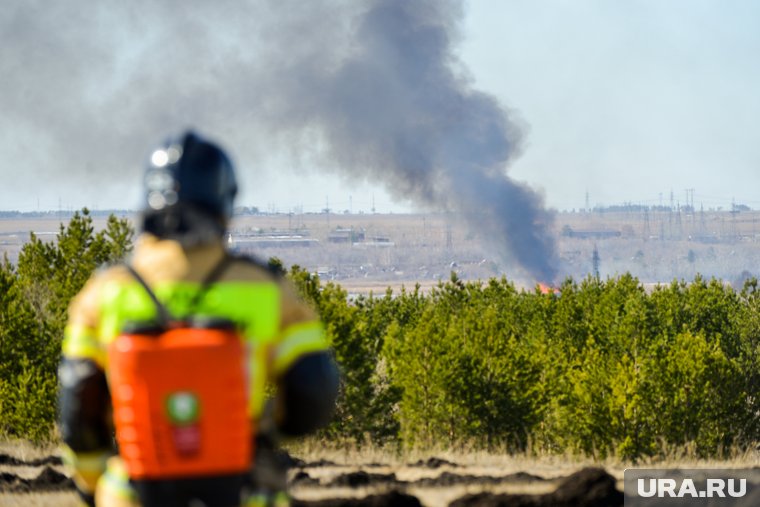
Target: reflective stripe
x: 81, y: 342
x: 257, y: 379
x: 115, y: 481
x: 298, y: 339
x: 256, y: 500
x: 281, y: 499
x: 278, y: 499
x: 92, y: 461
x: 88, y: 467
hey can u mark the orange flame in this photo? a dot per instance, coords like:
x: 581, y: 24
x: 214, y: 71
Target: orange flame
x: 548, y: 289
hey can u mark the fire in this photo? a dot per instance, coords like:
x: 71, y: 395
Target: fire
x: 548, y: 289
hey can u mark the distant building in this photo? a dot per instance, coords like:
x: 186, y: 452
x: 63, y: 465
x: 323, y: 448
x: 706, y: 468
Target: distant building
x: 345, y: 235
x: 567, y: 231
x: 270, y: 241
x: 375, y: 242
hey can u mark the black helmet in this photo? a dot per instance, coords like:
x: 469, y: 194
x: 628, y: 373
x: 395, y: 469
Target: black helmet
x: 189, y: 186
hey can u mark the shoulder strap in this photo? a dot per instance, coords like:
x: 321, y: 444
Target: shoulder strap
x: 164, y: 317
x: 210, y: 278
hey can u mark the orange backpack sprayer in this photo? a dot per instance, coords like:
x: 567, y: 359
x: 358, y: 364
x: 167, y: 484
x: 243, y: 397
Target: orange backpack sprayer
x: 179, y: 395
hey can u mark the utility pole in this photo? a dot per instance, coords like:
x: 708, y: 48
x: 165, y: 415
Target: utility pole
x: 670, y: 215
x: 595, y: 260
x: 689, y: 209
x: 678, y: 222
x: 690, y: 204
x: 646, y: 224
x: 702, y: 219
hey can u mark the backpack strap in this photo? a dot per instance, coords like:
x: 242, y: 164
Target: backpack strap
x: 210, y: 278
x: 164, y: 317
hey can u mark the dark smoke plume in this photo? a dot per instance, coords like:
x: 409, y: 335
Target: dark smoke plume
x: 397, y: 108
x: 372, y: 88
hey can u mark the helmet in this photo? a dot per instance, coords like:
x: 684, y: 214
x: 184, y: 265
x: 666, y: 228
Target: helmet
x: 191, y: 170
x: 189, y: 186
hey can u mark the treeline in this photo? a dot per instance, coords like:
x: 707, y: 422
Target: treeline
x: 602, y: 368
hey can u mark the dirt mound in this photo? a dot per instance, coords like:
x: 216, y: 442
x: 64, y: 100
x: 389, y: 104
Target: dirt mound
x: 47, y: 480
x: 301, y: 478
x: 290, y: 461
x: 433, y: 463
x: 319, y: 463
x: 362, y: 478
x: 590, y: 487
x: 299, y: 463
x: 392, y: 499
x: 7, y: 459
x: 447, y: 479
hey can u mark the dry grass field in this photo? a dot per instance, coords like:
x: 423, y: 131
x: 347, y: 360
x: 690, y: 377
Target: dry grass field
x: 323, y: 475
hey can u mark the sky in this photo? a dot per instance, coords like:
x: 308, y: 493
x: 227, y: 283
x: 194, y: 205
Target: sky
x: 620, y: 101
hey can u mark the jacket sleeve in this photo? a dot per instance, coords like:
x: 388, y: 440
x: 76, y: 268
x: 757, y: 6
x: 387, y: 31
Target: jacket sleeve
x: 83, y: 399
x: 80, y: 338
x: 304, y: 369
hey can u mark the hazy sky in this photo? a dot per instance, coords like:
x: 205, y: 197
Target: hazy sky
x: 626, y: 100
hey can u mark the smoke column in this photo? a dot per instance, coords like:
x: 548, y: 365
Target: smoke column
x: 371, y: 88
x: 396, y: 107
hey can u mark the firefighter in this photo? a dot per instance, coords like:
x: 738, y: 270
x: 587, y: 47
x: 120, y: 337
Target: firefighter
x: 180, y: 267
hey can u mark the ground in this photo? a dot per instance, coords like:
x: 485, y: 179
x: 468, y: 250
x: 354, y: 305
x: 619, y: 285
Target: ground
x: 346, y: 477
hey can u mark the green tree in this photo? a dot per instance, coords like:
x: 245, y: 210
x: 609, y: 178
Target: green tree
x: 35, y: 295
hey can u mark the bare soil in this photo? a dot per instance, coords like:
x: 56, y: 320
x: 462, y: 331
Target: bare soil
x: 428, y: 482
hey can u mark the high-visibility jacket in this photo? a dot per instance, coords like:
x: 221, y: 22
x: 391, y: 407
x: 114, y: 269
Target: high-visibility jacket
x: 277, y: 327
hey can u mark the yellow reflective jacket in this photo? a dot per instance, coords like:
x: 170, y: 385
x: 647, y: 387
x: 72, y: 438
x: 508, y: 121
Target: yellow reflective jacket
x: 278, y: 328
